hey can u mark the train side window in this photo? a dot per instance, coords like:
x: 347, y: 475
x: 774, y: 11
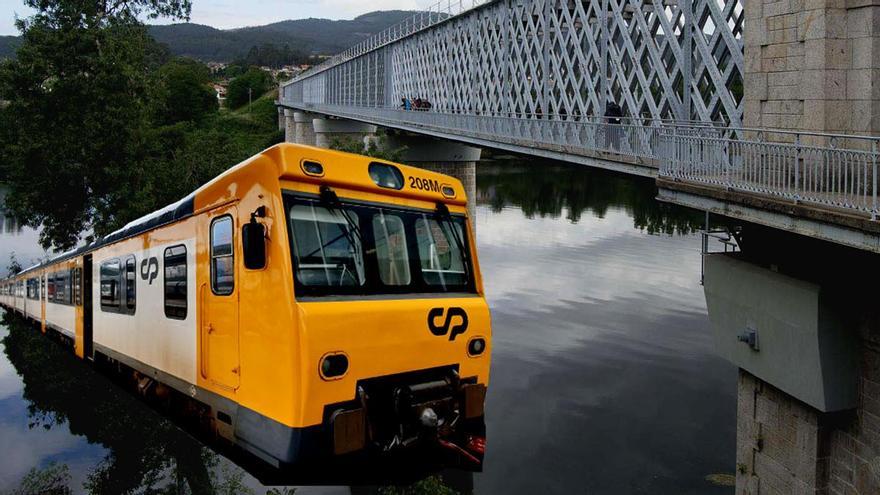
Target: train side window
x: 222, y: 259
x: 130, y: 285
x: 175, y: 282
x: 391, y: 252
x: 62, y: 296
x: 51, y: 286
x: 110, y: 286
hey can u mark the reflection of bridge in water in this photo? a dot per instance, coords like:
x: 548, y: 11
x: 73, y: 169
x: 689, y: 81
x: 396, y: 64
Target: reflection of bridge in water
x: 766, y: 115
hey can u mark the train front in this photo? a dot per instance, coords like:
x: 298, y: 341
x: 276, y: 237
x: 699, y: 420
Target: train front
x: 394, y: 327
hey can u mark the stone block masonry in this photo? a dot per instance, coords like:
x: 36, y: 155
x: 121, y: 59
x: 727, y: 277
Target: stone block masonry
x: 813, y: 65
x: 786, y: 446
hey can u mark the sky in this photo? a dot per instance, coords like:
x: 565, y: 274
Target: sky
x: 227, y: 14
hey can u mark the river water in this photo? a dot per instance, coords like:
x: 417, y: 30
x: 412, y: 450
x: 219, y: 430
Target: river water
x: 604, y: 378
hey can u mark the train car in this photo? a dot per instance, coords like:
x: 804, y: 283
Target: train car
x: 309, y: 302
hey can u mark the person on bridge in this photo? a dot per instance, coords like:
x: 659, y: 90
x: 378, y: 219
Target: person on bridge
x: 613, y: 113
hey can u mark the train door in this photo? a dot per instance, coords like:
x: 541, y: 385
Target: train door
x: 218, y: 294
x: 88, y: 331
x: 42, y: 289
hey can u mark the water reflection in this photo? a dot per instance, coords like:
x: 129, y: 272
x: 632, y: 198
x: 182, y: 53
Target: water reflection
x: 145, y: 452
x: 553, y: 190
x: 604, y: 378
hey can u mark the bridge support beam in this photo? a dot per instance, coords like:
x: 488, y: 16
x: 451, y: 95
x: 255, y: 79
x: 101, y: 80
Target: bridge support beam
x: 445, y: 157
x: 327, y: 131
x: 282, y: 120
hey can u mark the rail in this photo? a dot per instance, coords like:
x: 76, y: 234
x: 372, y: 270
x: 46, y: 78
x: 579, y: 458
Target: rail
x: 811, y: 168
x: 586, y: 137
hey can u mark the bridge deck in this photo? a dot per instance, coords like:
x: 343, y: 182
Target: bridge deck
x: 622, y: 150
x: 822, y: 221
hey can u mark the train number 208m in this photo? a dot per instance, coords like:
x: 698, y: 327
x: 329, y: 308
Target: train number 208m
x: 424, y: 184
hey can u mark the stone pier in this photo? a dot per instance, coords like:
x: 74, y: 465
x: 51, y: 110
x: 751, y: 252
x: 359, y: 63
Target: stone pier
x: 298, y: 127
x: 328, y: 130
x: 445, y: 157
x: 304, y: 131
x: 813, y: 65
x: 808, y: 392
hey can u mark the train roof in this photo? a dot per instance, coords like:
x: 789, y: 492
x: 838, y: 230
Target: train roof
x: 289, y: 159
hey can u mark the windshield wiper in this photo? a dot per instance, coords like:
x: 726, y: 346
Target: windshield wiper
x: 443, y: 213
x: 331, y: 200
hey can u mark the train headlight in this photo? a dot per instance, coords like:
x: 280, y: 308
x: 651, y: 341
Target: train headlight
x: 333, y: 366
x: 476, y: 346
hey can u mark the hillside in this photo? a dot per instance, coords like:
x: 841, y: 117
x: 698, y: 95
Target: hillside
x: 315, y: 36
x: 8, y: 45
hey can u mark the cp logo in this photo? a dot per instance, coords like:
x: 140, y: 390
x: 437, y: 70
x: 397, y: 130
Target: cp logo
x: 447, y: 327
x: 150, y: 269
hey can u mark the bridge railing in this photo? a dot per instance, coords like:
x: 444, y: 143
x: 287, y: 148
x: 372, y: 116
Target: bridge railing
x: 633, y: 140
x: 797, y: 167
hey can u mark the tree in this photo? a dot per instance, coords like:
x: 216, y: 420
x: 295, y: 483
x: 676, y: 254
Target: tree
x: 77, y: 93
x: 14, y: 266
x: 255, y: 80
x: 182, y: 92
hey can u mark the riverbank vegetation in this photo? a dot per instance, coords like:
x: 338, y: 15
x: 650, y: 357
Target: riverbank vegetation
x: 103, y: 125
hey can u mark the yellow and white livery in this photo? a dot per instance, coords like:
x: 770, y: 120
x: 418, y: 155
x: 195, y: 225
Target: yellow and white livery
x: 307, y: 301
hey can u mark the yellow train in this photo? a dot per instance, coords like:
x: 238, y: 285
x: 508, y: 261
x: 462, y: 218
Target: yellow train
x: 307, y: 302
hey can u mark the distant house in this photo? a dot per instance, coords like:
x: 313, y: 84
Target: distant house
x: 220, y: 89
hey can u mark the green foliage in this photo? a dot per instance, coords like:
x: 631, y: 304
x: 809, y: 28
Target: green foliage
x: 272, y: 55
x: 182, y: 92
x: 102, y: 126
x: 432, y: 485
x: 233, y: 70
x: 75, y: 13
x: 556, y: 190
x: 251, y: 84
x: 14, y: 265
x: 54, y: 479
x: 377, y: 148
x: 77, y: 95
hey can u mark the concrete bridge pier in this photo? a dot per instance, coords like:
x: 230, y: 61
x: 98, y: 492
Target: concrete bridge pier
x: 445, y: 157
x: 282, y: 120
x: 330, y: 130
x: 298, y: 127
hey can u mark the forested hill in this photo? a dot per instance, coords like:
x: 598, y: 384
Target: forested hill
x: 313, y: 36
x: 8, y: 45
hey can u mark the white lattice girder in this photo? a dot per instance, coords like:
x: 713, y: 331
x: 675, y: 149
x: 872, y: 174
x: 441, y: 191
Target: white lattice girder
x: 562, y: 58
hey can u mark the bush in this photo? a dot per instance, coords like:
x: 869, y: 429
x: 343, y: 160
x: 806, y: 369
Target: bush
x: 183, y: 92
x: 254, y: 79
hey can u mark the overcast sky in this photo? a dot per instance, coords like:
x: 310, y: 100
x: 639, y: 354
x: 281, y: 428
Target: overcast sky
x: 230, y: 14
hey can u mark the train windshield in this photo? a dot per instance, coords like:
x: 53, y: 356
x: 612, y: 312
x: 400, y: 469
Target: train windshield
x: 357, y: 249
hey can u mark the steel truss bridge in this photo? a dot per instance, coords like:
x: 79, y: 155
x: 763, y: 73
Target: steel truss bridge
x: 562, y: 59
x: 535, y: 76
